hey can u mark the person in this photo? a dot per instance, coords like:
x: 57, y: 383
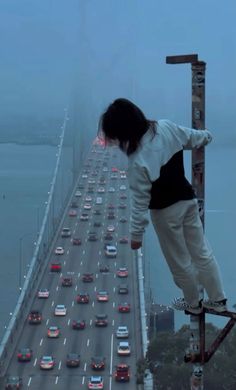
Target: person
x: 157, y: 182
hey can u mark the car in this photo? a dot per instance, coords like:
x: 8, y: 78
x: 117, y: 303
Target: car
x: 95, y: 382
x: 78, y: 324
x: 110, y: 251
x: 13, y: 382
x: 84, y: 176
x: 90, y: 190
x: 24, y: 354
x: 123, y: 348
x: 123, y: 176
x: 124, y: 240
x: 92, y: 236
x: 82, y: 298
x: 97, y: 224
x: 101, y: 320
x: 122, y: 206
x: 124, y: 307
x: 105, y: 169
x: 87, y: 277
x: 35, y: 317
x: 123, y: 196
x: 123, y: 289
x: 72, y: 213
x: 102, y: 296
x: 122, y: 187
x: 104, y: 268
x: 123, y: 219
x: 72, y: 359
x: 47, y: 362
x: 98, y: 363
x: 114, y: 169
x: 80, y: 186
x: 110, y: 228
x: 111, y: 215
x: 122, y: 373
x: 111, y: 206
x: 53, y: 332
x: 122, y: 272
x: 59, y: 250
x: 87, y: 206
x: 55, y: 266
x: 78, y: 194
x: 114, y: 176
x: 122, y: 332
x: 76, y: 241
x: 101, y: 190
x: 88, y: 198
x: 74, y: 205
x: 91, y: 181
x: 111, y: 189
x: 43, y: 293
x: 60, y: 310
x: 67, y: 281
x: 84, y: 217
x: 97, y: 212
x: 108, y: 237
x: 66, y: 232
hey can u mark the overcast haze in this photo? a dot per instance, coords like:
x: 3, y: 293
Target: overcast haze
x: 84, y: 53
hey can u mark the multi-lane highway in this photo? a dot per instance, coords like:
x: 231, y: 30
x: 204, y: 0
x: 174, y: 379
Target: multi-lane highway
x: 103, y: 176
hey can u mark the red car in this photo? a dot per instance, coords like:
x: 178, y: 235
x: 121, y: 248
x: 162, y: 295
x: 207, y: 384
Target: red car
x: 76, y: 241
x: 24, y: 355
x: 78, y: 324
x: 124, y: 307
x: 55, y: 266
x: 122, y: 373
x: 72, y: 213
x: 82, y: 298
x: 122, y: 272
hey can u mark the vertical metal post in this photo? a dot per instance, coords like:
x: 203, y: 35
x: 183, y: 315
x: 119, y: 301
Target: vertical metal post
x: 20, y: 263
x: 197, y: 323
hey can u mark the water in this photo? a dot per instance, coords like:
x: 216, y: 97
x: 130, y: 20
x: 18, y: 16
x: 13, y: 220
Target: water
x: 25, y: 176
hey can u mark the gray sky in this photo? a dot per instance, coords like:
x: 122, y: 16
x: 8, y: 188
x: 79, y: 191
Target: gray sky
x: 84, y: 53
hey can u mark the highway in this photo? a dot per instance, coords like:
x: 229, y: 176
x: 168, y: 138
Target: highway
x: 100, y: 177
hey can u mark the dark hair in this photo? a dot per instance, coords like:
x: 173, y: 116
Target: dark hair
x: 124, y: 122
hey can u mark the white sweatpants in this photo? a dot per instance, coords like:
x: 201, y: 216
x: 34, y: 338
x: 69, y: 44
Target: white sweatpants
x: 186, y: 250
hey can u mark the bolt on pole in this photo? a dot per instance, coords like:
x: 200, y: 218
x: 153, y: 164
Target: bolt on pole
x: 197, y: 323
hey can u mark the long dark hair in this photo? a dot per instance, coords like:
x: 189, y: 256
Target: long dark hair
x: 124, y: 122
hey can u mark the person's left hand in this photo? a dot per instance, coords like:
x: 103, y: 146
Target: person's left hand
x: 135, y: 244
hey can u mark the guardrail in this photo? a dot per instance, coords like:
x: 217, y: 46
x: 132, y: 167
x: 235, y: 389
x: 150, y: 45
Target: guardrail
x: 148, y: 378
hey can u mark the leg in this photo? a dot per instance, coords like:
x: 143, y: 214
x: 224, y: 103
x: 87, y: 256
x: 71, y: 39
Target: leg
x: 201, y: 254
x: 168, y: 224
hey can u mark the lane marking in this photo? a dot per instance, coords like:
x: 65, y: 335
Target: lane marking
x: 29, y: 381
x: 64, y: 342
x: 59, y: 365
x: 35, y: 362
x: 85, y: 366
x: 56, y: 380
x: 41, y: 342
x: 87, y: 342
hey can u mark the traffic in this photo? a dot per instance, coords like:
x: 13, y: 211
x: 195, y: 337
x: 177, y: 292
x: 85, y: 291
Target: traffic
x: 83, y: 329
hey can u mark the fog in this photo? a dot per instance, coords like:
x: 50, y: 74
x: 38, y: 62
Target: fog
x: 82, y: 54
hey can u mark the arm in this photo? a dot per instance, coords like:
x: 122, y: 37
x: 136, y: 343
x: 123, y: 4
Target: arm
x: 192, y: 138
x: 140, y: 186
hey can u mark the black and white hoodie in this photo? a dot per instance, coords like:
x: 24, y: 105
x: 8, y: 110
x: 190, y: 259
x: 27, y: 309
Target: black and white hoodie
x: 156, y: 171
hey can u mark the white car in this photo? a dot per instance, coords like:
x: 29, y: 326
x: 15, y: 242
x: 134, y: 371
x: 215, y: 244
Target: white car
x: 101, y: 189
x: 78, y: 194
x: 122, y: 332
x: 88, y: 199
x: 91, y: 181
x: 84, y: 176
x: 110, y: 251
x: 111, y: 189
x: 110, y: 228
x: 47, y: 362
x: 60, y: 310
x: 95, y: 382
x: 105, y: 169
x: 87, y: 206
x: 123, y: 348
x: 59, y: 250
x: 122, y: 188
x: 84, y: 217
x: 43, y: 293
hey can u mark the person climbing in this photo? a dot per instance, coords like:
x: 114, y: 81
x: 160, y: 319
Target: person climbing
x: 157, y: 182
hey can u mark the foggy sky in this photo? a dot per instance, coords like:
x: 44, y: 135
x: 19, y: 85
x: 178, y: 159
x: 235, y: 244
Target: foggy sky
x: 85, y: 53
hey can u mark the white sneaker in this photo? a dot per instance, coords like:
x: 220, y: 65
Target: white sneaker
x: 219, y: 306
x: 181, y: 304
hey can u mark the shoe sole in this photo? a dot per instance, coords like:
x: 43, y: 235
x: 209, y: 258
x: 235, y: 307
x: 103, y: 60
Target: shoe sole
x: 218, y: 309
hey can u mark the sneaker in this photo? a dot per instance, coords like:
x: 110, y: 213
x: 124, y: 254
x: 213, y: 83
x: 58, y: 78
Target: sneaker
x: 218, y: 306
x: 181, y: 304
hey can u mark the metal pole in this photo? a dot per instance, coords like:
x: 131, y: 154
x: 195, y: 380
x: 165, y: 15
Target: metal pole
x: 20, y: 264
x: 197, y: 323
x: 198, y: 181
